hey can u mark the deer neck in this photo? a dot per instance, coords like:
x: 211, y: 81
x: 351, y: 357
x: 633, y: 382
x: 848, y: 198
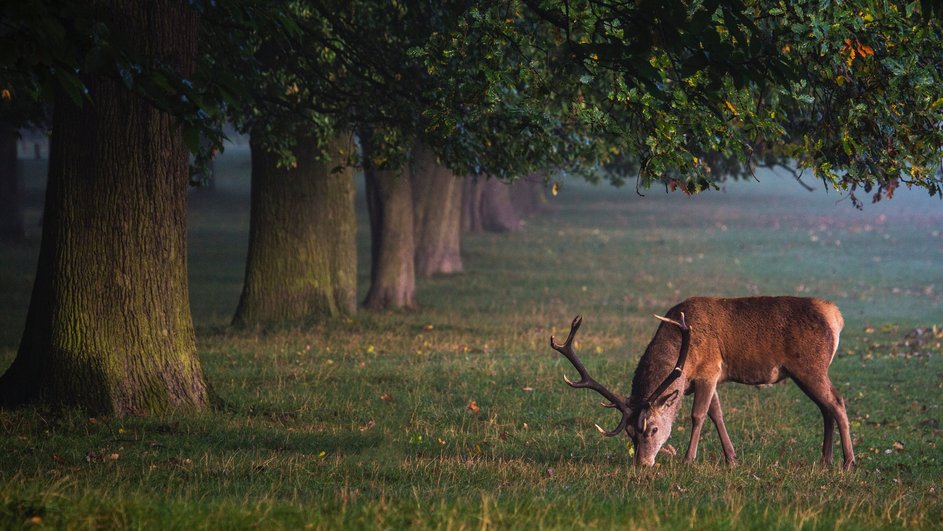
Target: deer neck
x: 654, y: 366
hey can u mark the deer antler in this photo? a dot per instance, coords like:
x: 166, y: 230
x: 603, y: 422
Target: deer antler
x: 682, y: 357
x: 586, y: 381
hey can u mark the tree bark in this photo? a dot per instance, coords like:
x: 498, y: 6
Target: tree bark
x: 487, y: 206
x: 109, y: 326
x: 302, y: 261
x: 12, y: 227
x: 392, y: 247
x: 437, y: 202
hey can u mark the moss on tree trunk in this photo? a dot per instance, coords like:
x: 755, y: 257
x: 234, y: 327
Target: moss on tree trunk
x: 302, y: 261
x: 109, y: 326
x: 437, y: 203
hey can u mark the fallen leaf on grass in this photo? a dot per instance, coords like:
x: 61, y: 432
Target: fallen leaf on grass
x: 368, y: 425
x: 386, y: 397
x: 473, y: 406
x: 899, y: 446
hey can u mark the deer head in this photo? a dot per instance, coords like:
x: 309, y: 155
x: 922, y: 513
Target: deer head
x: 649, y: 424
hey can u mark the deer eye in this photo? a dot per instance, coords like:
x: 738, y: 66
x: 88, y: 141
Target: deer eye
x: 654, y: 430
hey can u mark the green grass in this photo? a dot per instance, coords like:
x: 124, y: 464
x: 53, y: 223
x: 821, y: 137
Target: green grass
x: 365, y: 423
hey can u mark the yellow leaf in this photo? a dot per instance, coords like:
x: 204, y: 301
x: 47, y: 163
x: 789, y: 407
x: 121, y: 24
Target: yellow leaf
x: 731, y: 107
x: 555, y: 189
x: 6, y: 95
x: 936, y: 104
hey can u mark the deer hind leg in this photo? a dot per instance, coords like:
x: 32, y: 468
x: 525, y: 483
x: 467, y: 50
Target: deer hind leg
x: 717, y: 417
x: 832, y: 405
x: 828, y: 438
x: 703, y: 391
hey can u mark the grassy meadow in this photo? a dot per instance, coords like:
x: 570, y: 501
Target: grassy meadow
x: 455, y: 415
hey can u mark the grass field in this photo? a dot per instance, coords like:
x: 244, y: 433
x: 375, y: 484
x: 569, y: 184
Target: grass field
x: 455, y: 415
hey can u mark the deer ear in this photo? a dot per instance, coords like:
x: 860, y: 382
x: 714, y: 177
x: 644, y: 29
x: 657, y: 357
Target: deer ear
x: 666, y: 400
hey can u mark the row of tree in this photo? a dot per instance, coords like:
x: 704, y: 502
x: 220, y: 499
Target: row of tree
x: 678, y: 93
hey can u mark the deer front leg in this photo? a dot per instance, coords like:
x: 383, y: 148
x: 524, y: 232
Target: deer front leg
x: 717, y: 417
x: 703, y: 392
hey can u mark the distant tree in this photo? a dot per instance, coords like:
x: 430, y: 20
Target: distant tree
x: 20, y: 109
x: 12, y: 227
x: 488, y: 206
x: 437, y: 204
x: 302, y: 260
x: 392, y: 240
x: 529, y: 195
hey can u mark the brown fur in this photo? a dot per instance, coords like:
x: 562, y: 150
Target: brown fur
x: 751, y: 340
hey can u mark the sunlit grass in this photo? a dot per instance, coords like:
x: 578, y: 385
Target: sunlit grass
x: 455, y: 415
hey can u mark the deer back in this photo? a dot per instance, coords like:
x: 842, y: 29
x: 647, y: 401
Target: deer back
x: 751, y: 340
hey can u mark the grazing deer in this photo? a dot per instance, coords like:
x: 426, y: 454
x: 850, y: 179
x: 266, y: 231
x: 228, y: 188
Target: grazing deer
x: 705, y: 341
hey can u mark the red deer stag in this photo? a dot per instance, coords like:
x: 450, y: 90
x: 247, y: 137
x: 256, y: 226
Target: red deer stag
x: 705, y: 341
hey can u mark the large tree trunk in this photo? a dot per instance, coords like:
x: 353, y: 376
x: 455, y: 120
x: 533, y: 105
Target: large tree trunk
x: 392, y: 247
x: 11, y: 193
x: 487, y: 206
x: 437, y: 202
x: 302, y: 262
x: 109, y: 327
